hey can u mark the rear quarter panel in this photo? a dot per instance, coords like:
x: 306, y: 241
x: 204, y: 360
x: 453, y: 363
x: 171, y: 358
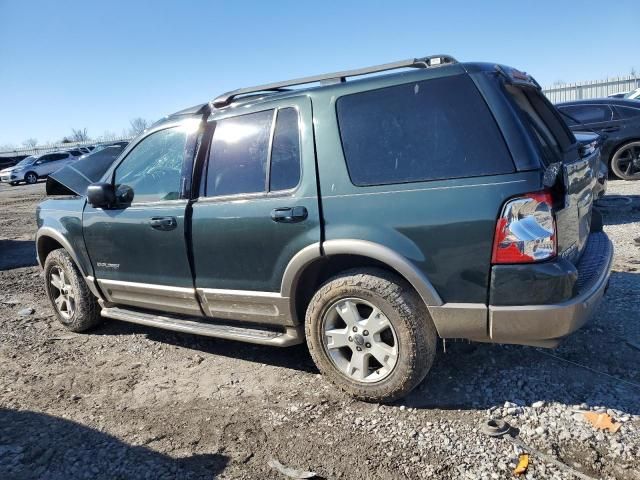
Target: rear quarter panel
x: 444, y: 227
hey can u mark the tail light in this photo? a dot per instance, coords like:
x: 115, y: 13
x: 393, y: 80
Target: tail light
x: 526, y: 230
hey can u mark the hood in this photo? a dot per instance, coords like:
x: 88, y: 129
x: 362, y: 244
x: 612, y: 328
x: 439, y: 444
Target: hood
x: 74, y: 178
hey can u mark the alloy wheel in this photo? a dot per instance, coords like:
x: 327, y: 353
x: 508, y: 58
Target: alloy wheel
x: 360, y: 340
x: 626, y: 162
x: 31, y: 178
x: 62, y: 293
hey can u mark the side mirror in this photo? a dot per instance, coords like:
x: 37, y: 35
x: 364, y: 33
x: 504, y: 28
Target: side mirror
x: 101, y: 195
x: 124, y: 194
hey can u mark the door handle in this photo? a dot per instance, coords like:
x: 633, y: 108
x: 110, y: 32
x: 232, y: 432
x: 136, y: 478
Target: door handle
x: 611, y: 129
x: 289, y: 214
x: 164, y: 223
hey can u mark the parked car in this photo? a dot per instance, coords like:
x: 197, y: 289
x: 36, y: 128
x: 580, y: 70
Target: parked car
x: 97, y: 148
x: 591, y: 143
x: 77, y: 152
x: 618, y: 120
x: 369, y: 217
x: 617, y: 95
x: 11, y: 160
x: 34, y: 167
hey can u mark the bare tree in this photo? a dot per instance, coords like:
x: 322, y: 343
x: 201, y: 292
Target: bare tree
x: 108, y: 135
x: 79, y: 135
x: 30, y: 142
x: 138, y: 125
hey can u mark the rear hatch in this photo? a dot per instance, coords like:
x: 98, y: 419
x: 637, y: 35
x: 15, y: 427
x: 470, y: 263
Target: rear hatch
x: 570, y: 172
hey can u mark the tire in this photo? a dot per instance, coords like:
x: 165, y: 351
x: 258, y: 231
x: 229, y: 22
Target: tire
x: 31, y: 178
x: 413, y: 333
x: 625, y: 162
x: 80, y: 311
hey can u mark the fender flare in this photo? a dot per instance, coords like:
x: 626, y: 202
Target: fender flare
x: 365, y: 248
x: 48, y: 232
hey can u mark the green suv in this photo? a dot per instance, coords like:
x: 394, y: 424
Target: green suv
x: 363, y: 212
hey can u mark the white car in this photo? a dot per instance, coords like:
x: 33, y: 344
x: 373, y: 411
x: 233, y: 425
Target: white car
x: 32, y: 168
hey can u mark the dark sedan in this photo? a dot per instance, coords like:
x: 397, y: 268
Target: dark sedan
x: 617, y: 120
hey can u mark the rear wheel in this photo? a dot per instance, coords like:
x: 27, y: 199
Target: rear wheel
x: 75, y: 306
x: 370, y: 334
x: 625, y: 162
x: 31, y: 178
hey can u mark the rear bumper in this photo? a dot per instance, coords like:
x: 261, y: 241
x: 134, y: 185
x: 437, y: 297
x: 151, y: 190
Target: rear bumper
x: 546, y: 325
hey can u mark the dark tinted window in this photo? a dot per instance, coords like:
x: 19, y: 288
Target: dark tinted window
x: 428, y: 130
x: 627, y: 112
x: 589, y: 113
x: 238, y: 157
x: 285, y: 151
x: 154, y: 167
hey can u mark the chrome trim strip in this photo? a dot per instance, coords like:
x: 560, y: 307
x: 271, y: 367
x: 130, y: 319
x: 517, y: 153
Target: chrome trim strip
x: 155, y: 297
x: 245, y: 305
x: 409, y: 190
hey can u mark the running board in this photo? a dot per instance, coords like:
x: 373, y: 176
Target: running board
x: 291, y: 335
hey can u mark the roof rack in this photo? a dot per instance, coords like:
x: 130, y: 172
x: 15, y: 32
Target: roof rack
x: 335, y: 77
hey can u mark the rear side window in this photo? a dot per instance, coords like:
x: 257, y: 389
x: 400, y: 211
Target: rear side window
x: 428, y: 130
x: 627, y: 112
x: 239, y: 156
x: 589, y: 113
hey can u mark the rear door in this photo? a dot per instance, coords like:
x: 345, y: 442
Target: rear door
x: 256, y: 209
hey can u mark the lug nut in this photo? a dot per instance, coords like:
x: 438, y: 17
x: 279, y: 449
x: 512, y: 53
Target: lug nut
x: 355, y: 329
x: 365, y: 333
x: 350, y: 339
x: 359, y: 349
x: 368, y: 345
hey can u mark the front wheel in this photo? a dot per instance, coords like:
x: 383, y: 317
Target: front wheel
x: 75, y: 306
x: 625, y: 162
x: 31, y: 178
x: 370, y: 334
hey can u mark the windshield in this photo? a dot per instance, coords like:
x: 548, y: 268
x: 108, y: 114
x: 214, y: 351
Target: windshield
x: 26, y: 161
x: 633, y: 94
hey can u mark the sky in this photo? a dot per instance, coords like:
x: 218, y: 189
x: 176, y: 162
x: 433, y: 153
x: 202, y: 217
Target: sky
x: 97, y: 65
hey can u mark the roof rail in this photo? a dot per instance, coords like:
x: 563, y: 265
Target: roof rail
x: 335, y: 77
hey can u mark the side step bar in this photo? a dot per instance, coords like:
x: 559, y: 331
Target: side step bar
x: 291, y: 336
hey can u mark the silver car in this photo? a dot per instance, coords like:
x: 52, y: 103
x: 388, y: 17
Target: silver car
x: 32, y: 168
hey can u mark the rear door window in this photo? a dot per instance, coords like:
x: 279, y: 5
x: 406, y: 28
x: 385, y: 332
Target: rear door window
x: 249, y: 154
x: 429, y: 130
x: 589, y: 113
x: 239, y: 153
x: 627, y: 112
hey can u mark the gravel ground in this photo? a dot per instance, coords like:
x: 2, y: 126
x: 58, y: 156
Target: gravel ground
x: 132, y: 402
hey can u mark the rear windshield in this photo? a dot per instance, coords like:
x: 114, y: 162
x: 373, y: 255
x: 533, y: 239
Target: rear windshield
x: 551, y: 134
x: 428, y: 130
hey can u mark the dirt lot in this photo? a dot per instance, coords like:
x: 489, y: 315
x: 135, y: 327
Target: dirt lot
x: 133, y: 402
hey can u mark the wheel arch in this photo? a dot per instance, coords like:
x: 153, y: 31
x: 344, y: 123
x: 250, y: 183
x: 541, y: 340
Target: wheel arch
x: 310, y: 268
x: 617, y: 146
x: 47, y: 240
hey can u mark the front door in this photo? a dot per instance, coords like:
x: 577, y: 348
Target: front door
x: 257, y: 208
x: 139, y: 253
